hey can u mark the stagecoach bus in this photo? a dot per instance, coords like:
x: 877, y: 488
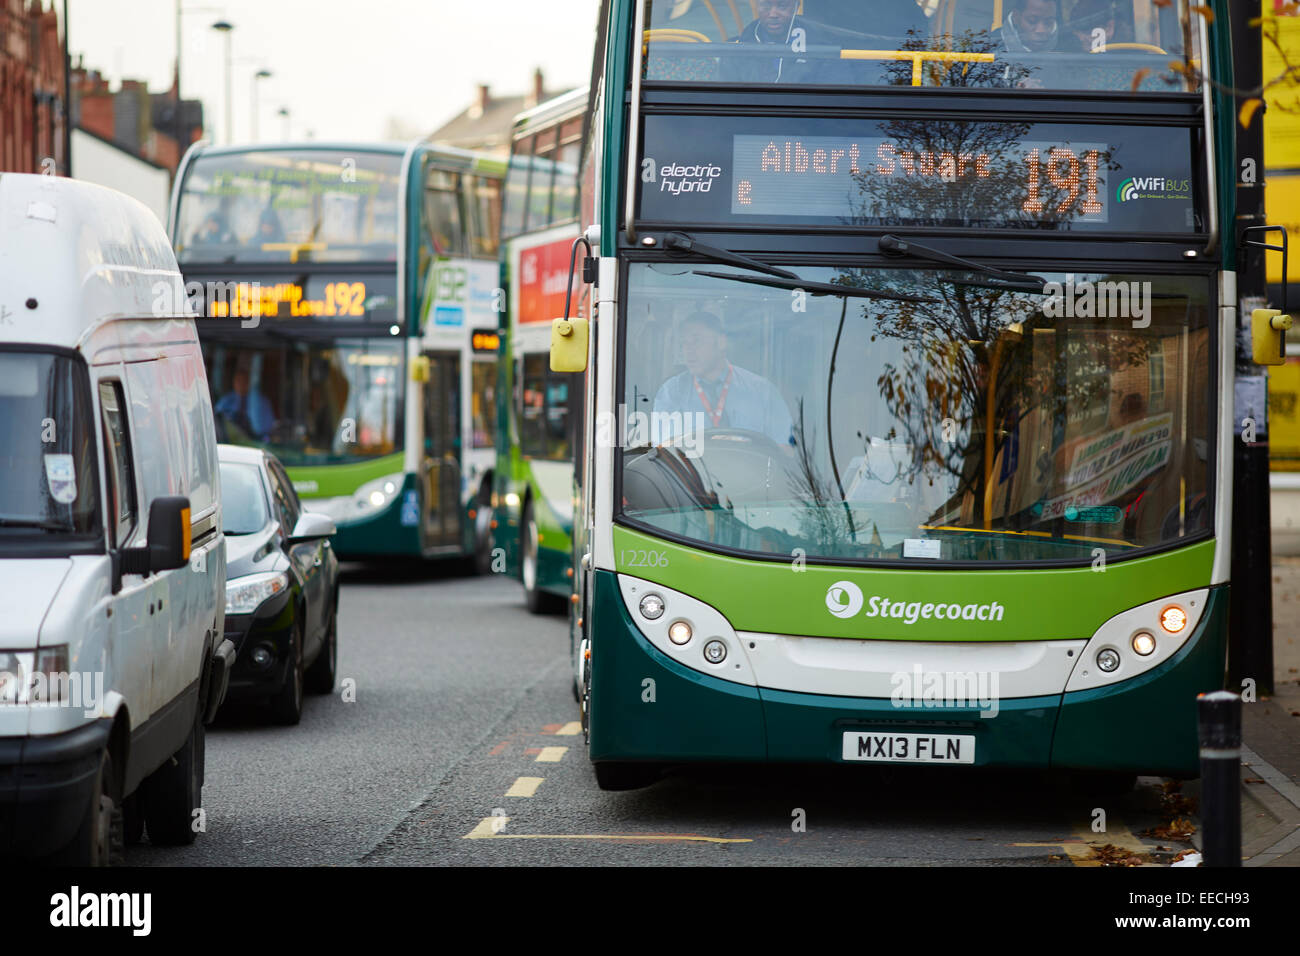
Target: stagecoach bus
x: 532, y: 513
x: 909, y: 384
x: 339, y: 288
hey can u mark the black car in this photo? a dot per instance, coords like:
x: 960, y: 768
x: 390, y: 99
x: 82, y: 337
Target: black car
x: 282, y: 585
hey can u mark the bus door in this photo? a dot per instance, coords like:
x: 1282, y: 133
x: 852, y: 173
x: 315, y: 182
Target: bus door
x: 442, y: 451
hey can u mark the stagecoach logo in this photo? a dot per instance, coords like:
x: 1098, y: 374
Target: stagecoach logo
x: 1153, y: 187
x: 677, y: 179
x: 844, y: 599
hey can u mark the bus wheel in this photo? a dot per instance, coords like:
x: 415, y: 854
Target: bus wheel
x: 538, y: 601
x: 483, y: 540
x: 626, y: 776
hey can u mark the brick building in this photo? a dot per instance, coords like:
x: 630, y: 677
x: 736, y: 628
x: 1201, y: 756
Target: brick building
x: 32, y: 99
x: 485, y: 124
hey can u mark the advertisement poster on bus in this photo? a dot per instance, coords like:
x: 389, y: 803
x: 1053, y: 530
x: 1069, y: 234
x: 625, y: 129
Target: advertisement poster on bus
x: 460, y: 294
x: 542, y: 280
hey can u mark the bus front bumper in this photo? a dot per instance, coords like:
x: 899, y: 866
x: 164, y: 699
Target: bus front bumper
x: 1146, y: 724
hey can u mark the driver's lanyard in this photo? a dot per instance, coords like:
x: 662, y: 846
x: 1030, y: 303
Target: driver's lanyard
x: 715, y: 413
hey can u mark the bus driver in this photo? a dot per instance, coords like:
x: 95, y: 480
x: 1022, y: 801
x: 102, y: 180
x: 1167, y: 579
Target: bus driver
x: 718, y: 394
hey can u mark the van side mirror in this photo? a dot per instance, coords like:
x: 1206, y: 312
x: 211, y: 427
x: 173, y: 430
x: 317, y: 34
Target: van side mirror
x: 1268, y: 336
x: 311, y: 526
x: 168, y: 546
x: 569, y: 345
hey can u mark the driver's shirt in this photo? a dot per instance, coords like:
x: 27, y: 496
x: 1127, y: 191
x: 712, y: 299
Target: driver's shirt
x: 735, y: 399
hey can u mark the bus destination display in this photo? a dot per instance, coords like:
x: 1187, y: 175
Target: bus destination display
x: 747, y: 171
x: 819, y: 175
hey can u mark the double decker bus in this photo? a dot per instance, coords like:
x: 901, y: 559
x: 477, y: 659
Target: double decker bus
x: 910, y: 385
x: 532, y: 514
x: 346, y: 295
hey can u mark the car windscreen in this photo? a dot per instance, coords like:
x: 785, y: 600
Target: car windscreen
x: 243, y: 500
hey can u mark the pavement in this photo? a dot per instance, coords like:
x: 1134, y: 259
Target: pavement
x: 1270, y: 762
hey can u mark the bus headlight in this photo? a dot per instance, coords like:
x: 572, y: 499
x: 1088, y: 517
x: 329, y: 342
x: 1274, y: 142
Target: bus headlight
x: 1108, y: 660
x: 245, y: 595
x: 679, y: 632
x: 374, y: 496
x: 652, y: 607
x: 1144, y: 643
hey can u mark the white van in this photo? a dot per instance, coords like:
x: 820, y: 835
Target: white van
x: 112, y: 558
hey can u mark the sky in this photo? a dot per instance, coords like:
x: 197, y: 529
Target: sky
x: 344, y: 68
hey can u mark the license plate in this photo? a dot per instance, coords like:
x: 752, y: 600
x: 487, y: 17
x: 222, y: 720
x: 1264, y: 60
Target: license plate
x: 909, y: 748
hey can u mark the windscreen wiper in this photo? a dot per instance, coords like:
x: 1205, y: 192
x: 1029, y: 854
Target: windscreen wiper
x: 891, y: 245
x: 681, y: 242
x: 814, y: 288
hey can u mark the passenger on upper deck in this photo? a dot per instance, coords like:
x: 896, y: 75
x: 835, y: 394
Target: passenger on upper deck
x: 778, y: 25
x: 1092, y: 23
x: 1031, y: 26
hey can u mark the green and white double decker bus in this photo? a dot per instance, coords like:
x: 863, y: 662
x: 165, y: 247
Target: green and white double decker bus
x: 532, y: 515
x: 910, y: 384
x: 347, y: 295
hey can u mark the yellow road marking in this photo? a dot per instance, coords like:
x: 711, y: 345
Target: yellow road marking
x: 552, y: 754
x: 1079, y: 849
x: 487, y: 826
x: 571, y: 729
x: 524, y: 787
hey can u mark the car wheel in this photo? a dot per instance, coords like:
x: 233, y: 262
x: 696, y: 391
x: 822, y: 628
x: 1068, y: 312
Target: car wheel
x: 538, y: 601
x: 171, y: 794
x: 99, y: 840
x: 286, y: 705
x: 320, y: 676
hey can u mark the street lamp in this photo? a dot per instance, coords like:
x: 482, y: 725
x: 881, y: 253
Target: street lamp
x: 283, y: 113
x: 259, y: 75
x: 224, y: 26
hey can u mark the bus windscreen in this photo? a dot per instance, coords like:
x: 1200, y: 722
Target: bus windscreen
x: 289, y: 206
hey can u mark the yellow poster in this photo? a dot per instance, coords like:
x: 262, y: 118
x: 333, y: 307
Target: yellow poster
x: 1282, y: 137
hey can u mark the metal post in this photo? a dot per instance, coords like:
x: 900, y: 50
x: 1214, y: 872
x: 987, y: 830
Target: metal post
x: 177, y: 122
x: 67, y: 94
x: 1250, y: 613
x: 1219, y: 723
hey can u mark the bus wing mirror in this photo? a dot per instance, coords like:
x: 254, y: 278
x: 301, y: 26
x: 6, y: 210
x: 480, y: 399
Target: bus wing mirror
x: 569, y: 345
x: 1268, y: 336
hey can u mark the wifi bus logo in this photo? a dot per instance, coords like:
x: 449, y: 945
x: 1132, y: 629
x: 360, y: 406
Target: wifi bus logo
x: 1127, y: 190
x: 844, y: 599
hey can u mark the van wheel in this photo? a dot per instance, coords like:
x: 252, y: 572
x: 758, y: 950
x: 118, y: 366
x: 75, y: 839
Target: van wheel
x: 538, y: 601
x: 99, y: 840
x: 320, y: 676
x: 286, y: 706
x: 172, y: 793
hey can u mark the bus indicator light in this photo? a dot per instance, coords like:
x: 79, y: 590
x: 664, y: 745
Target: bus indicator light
x: 1173, y: 619
x: 1108, y: 660
x: 715, y: 652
